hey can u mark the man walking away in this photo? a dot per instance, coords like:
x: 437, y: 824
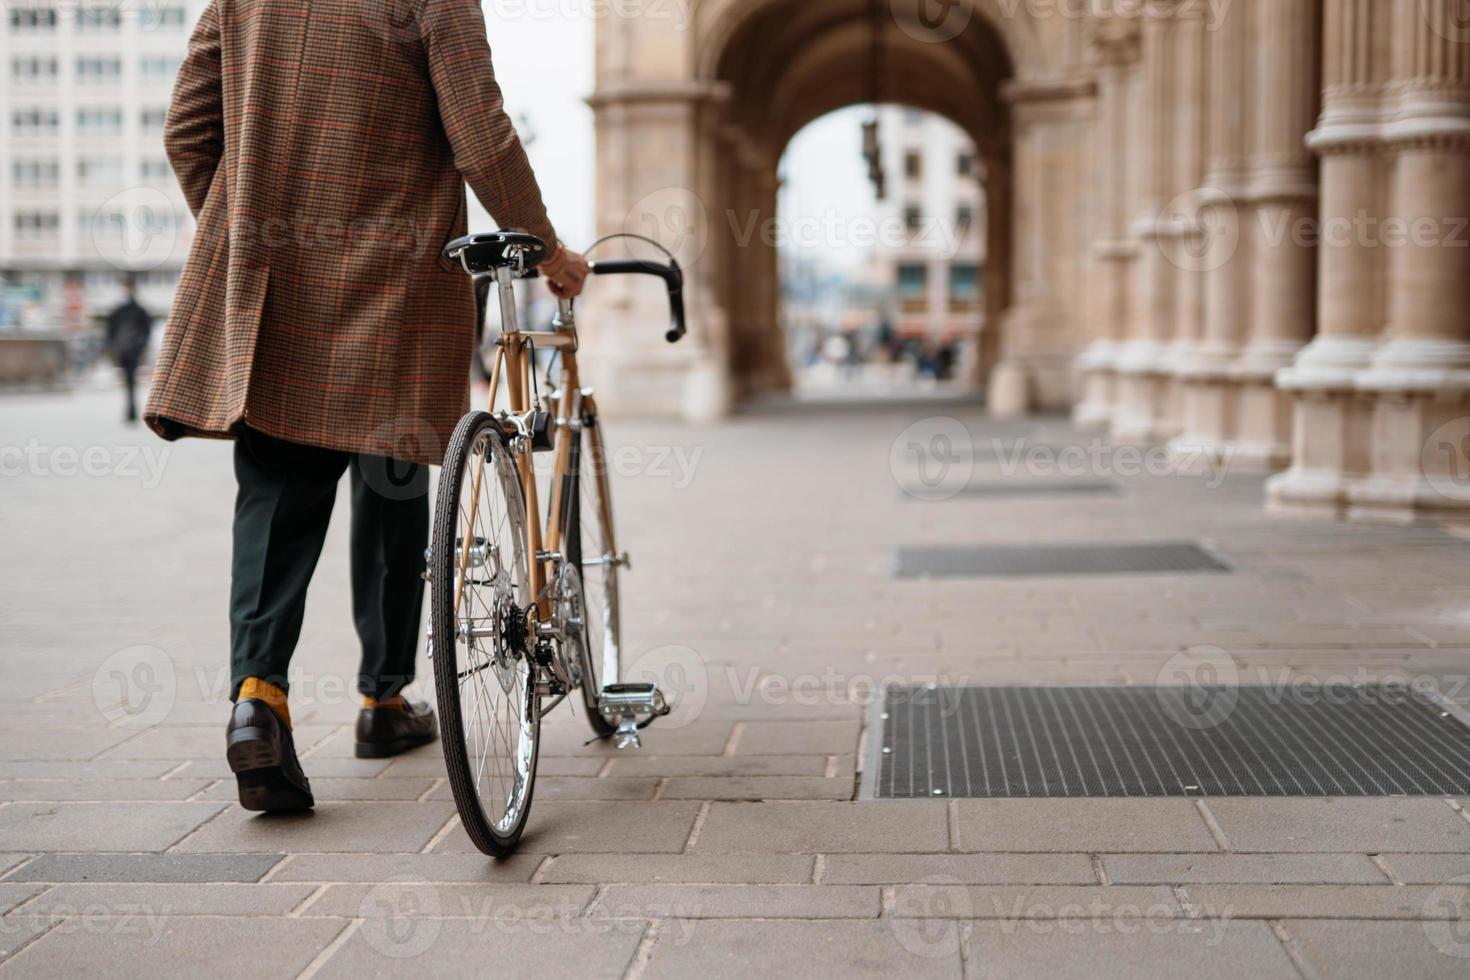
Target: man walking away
x: 324, y: 146
x: 128, y: 329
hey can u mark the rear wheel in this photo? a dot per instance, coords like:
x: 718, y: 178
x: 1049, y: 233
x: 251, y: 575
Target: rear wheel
x: 483, y: 675
x: 590, y: 553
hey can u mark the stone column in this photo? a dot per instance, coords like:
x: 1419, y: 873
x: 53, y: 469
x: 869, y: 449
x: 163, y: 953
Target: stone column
x: 1138, y: 417
x: 1282, y: 199
x: 1332, y: 427
x: 1052, y: 126
x: 1116, y: 44
x: 1204, y: 372
x: 1180, y: 233
x: 1419, y: 378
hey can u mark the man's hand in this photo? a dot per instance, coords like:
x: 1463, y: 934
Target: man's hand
x: 565, y: 272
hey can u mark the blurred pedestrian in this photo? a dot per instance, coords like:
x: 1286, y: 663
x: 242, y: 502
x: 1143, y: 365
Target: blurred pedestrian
x: 128, y: 330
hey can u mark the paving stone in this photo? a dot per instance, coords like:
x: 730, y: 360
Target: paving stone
x: 1383, y: 901
x: 798, y: 738
x: 481, y: 901
x: 1092, y: 825
x: 1060, y: 950
x: 196, y: 741
x: 980, y: 869
x: 821, y: 827
x: 1347, y: 949
x: 835, y: 949
x: 568, y: 736
x: 8, y: 861
x: 327, y: 789
x: 331, y: 827
x: 926, y: 900
x: 18, y: 930
x: 758, y: 788
x: 51, y: 790
x: 577, y: 788
x: 77, y: 744
x: 742, y: 901
x: 634, y: 827
x: 752, y: 869
x: 1427, y: 869
x: 1368, y: 825
x: 575, y: 949
x: 147, y: 867
x: 217, y: 768
x: 101, y: 826
x: 61, y: 769
x: 701, y: 765
x: 152, y: 899
x: 388, y: 867
x: 427, y: 763
x: 136, y: 946
x: 1258, y: 869
x: 12, y: 894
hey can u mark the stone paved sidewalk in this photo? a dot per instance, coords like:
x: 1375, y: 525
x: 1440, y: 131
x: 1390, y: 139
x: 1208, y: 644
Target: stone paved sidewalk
x: 732, y: 844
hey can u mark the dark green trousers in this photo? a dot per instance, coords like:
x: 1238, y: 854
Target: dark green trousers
x: 284, y: 503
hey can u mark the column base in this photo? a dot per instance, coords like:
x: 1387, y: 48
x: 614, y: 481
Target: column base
x: 1262, y: 440
x: 1099, y: 386
x: 1022, y: 384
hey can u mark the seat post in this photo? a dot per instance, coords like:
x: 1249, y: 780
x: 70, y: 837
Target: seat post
x: 505, y: 291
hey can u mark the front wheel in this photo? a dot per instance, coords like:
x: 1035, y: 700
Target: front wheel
x: 591, y: 550
x: 483, y: 675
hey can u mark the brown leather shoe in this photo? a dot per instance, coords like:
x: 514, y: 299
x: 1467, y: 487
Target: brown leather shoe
x: 382, y: 732
x: 262, y: 755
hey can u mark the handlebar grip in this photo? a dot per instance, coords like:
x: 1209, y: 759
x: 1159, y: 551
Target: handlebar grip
x: 676, y: 306
x: 672, y: 276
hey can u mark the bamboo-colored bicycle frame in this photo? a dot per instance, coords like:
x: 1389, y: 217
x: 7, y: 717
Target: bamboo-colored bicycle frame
x: 514, y: 362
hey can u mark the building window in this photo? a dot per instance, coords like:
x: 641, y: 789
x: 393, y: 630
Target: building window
x: 35, y: 173
x: 99, y: 19
x: 964, y: 164
x: 964, y: 217
x: 99, y: 171
x: 913, y: 287
x: 96, y: 71
x: 34, y: 122
x: 32, y: 19
x: 913, y: 165
x: 151, y: 18
x: 913, y: 217
x: 33, y: 69
x: 157, y: 169
x: 153, y: 120
x: 36, y: 224
x: 159, y: 68
x: 964, y: 287
x: 95, y: 122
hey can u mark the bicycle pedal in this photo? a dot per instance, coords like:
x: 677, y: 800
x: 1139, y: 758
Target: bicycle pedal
x: 630, y: 707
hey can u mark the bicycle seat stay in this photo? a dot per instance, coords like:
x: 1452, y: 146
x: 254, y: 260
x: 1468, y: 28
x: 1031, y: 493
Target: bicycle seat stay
x: 485, y: 253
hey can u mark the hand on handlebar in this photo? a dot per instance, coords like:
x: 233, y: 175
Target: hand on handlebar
x: 565, y: 271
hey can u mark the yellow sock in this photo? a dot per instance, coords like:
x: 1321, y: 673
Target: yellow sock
x: 254, y: 687
x: 396, y: 702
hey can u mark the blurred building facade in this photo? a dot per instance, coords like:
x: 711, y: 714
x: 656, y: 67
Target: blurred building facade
x: 933, y: 193
x: 1235, y: 227
x: 86, y: 192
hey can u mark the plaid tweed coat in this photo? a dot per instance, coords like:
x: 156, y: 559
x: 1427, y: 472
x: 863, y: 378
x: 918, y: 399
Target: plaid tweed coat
x: 324, y: 146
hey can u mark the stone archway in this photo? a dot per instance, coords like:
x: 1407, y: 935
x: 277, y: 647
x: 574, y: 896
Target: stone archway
x: 692, y: 118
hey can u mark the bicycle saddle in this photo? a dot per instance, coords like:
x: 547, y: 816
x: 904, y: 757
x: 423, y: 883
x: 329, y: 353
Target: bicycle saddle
x: 484, y: 253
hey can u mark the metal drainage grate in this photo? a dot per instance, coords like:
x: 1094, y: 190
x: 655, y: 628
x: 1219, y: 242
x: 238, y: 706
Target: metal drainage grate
x: 1053, y: 559
x: 1375, y: 740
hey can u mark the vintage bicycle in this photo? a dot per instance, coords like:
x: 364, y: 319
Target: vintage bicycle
x: 524, y: 612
